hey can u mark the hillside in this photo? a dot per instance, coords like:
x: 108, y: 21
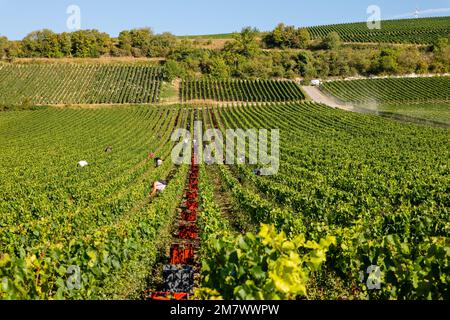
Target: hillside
x: 245, y: 166
x: 418, y: 31
x: 415, y: 31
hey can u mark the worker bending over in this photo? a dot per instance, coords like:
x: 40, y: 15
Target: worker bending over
x: 158, y: 187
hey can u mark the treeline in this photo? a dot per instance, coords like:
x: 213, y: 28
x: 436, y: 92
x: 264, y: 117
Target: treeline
x: 285, y: 52
x: 88, y: 44
x: 47, y: 44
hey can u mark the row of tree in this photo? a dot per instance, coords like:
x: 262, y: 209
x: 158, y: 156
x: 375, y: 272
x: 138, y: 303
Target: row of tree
x: 144, y: 43
x: 45, y: 43
x: 88, y: 44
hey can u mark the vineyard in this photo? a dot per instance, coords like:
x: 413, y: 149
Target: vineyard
x: 98, y: 218
x: 334, y: 207
x: 391, y: 90
x: 241, y: 90
x: 417, y: 31
x: 198, y: 174
x: 386, y: 204
x: 434, y: 112
x: 53, y: 84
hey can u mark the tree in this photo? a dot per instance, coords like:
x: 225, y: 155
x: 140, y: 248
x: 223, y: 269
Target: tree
x: 276, y: 38
x: 441, y: 50
x: 90, y: 44
x: 141, y: 42
x: 125, y: 42
x: 218, y: 68
x: 388, y: 61
x: 162, y: 44
x: 4, y: 43
x: 257, y: 68
x: 173, y: 70
x: 332, y: 41
x: 141, y: 38
x: 65, y: 44
x: 440, y: 45
x: 439, y: 67
x: 246, y: 42
x: 182, y: 51
x: 305, y: 65
x: 14, y: 49
x: 408, y: 60
x: 303, y: 38
x: 287, y: 37
x: 144, y: 43
x: 42, y: 43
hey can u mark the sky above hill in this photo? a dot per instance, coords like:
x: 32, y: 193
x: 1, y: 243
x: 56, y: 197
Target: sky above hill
x: 189, y: 17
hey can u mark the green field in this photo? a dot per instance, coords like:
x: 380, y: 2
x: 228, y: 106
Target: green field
x: 392, y: 90
x: 390, y: 197
x: 434, y: 112
x: 241, y: 90
x: 420, y: 98
x: 44, y: 84
x: 414, y: 31
x: 418, y: 31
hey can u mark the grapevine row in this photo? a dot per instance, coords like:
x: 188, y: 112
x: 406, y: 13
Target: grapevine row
x: 325, y: 185
x: 53, y: 84
x: 417, y: 31
x: 391, y: 90
x: 241, y: 90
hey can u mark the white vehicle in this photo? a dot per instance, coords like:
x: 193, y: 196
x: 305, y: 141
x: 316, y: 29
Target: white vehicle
x: 315, y: 82
x: 83, y: 164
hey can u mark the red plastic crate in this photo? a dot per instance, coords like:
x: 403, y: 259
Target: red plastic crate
x: 168, y: 296
x: 182, y: 254
x: 189, y: 232
x: 192, y: 196
x: 191, y: 205
x: 189, y: 216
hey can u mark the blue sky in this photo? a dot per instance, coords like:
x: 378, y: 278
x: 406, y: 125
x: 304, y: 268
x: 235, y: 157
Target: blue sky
x: 181, y: 17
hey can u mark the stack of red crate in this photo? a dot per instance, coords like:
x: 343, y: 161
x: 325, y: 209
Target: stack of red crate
x: 182, y: 254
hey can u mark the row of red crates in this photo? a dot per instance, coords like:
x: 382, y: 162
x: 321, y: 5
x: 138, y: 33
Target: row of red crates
x: 183, y: 254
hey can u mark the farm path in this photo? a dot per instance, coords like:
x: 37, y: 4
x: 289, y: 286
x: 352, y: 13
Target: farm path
x: 318, y: 96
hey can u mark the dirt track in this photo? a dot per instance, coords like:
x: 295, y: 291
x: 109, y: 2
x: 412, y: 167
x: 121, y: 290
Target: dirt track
x: 318, y: 96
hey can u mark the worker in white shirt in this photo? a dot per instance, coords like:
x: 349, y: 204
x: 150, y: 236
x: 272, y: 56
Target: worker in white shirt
x: 158, y: 187
x: 158, y: 162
